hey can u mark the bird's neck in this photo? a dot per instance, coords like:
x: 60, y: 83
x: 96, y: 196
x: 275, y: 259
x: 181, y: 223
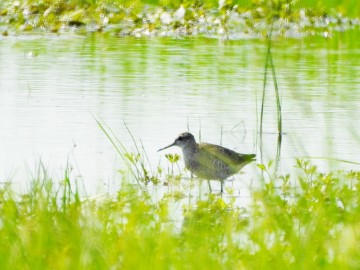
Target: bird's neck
x: 189, y: 154
x: 190, y: 149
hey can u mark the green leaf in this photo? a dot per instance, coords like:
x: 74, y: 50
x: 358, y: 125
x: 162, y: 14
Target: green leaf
x: 261, y: 166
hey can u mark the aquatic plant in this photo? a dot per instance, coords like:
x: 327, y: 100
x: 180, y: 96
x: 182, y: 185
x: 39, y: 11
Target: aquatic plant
x: 304, y: 221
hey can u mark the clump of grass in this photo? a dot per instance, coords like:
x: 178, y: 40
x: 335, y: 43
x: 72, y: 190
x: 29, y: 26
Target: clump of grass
x: 137, y: 163
x: 304, y: 221
x: 309, y: 217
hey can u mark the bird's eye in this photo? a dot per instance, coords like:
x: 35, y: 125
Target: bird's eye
x: 181, y: 138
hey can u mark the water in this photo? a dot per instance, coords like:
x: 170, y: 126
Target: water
x: 52, y: 88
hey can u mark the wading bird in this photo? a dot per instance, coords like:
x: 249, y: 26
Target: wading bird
x: 210, y: 161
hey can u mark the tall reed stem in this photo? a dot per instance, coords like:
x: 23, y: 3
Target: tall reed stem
x: 269, y: 61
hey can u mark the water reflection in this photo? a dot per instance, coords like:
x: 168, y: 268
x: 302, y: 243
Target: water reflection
x: 51, y: 88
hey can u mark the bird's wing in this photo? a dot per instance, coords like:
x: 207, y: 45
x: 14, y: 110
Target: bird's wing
x: 226, y: 155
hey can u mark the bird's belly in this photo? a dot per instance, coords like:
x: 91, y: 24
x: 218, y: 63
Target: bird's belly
x: 210, y: 171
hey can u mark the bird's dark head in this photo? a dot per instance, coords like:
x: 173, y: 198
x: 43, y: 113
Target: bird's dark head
x: 184, y: 140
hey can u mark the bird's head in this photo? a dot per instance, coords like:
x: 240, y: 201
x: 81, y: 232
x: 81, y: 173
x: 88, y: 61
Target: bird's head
x: 184, y: 140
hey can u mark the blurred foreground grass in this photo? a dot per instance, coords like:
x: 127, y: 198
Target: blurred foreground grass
x: 307, y: 221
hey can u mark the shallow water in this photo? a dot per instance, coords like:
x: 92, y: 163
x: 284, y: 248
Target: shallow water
x: 52, y: 88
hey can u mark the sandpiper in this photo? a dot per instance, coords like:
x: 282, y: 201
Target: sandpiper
x: 210, y: 161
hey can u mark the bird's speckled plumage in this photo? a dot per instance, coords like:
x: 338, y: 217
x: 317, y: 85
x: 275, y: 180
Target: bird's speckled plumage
x: 210, y: 161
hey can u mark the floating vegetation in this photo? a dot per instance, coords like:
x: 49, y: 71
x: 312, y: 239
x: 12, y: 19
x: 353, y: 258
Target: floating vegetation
x: 225, y: 19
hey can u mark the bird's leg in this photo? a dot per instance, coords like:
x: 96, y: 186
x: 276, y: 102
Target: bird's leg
x: 221, y: 183
x: 209, y: 185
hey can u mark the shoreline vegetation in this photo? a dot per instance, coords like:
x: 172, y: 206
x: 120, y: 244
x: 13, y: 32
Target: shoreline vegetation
x: 308, y: 221
x: 227, y: 19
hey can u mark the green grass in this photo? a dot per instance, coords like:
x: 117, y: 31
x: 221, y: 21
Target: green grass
x: 305, y: 221
x: 270, y: 62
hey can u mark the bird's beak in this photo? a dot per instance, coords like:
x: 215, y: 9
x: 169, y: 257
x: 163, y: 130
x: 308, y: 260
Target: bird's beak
x: 173, y: 144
